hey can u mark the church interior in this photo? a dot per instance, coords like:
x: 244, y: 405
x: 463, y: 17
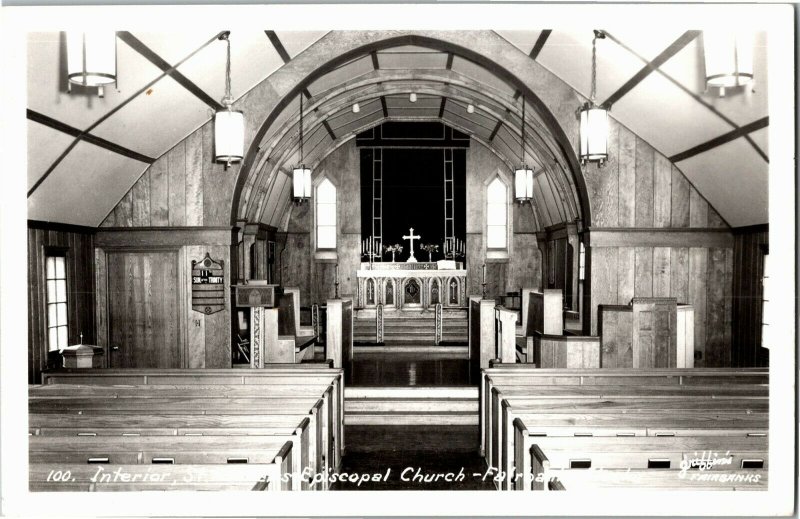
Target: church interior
x: 274, y: 257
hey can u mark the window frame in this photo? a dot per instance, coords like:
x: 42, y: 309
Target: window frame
x: 325, y: 253
x: 498, y: 253
x: 56, y: 252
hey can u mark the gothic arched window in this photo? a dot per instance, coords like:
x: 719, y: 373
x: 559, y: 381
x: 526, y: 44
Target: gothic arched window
x: 497, y: 215
x: 326, y: 215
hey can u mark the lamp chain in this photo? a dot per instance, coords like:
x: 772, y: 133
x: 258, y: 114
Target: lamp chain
x: 522, y: 155
x: 594, y: 68
x: 228, y: 99
x: 301, y: 128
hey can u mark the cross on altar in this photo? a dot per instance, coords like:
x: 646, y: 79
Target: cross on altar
x: 410, y: 237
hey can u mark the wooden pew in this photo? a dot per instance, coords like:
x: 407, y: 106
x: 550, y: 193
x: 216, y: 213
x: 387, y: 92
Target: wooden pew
x: 524, y: 387
x: 320, y: 420
x: 651, y: 479
x: 521, y: 374
x: 299, y: 374
x: 274, y: 450
x: 126, y: 478
x: 505, y: 326
x: 689, y: 453
x: 572, y: 400
x: 277, y: 450
x: 129, y: 478
x: 542, y: 313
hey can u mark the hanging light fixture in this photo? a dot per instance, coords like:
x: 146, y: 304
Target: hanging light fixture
x: 91, y: 59
x: 728, y: 59
x: 228, y: 123
x: 594, y: 118
x: 470, y: 108
x: 412, y: 97
x: 523, y: 175
x: 301, y: 175
x: 356, y: 108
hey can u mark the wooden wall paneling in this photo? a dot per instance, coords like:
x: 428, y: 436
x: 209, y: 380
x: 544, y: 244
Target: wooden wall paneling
x: 194, y: 179
x: 101, y: 302
x: 218, y: 181
x: 625, y: 340
x: 607, y: 330
x: 177, y: 175
x: 603, y: 280
x: 680, y: 199
x: 698, y: 272
x: 714, y: 219
x: 111, y: 219
x: 159, y: 194
x: 626, y: 275
x: 35, y: 310
x: 141, y: 201
x: 679, y: 274
x: 475, y: 259
x: 195, y: 346
x: 715, y: 309
x: 661, y: 272
x: 698, y: 209
x: 627, y: 178
x: 645, y: 156
x: 728, y: 319
x: 662, y: 191
x: 643, y: 280
x: 603, y: 183
x: 124, y: 210
x: 218, y: 325
x: 747, y: 265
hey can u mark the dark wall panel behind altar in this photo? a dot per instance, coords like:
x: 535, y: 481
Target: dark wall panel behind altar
x: 78, y: 244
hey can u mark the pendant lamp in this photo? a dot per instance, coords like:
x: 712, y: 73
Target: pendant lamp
x: 728, y: 59
x: 301, y: 175
x: 228, y: 123
x: 523, y: 175
x: 594, y: 119
x: 91, y: 59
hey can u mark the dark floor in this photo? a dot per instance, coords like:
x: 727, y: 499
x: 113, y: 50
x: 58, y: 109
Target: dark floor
x: 413, y: 458
x: 404, y: 370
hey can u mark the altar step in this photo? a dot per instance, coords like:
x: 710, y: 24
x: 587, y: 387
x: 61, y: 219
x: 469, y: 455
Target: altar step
x: 411, y: 328
x: 411, y: 406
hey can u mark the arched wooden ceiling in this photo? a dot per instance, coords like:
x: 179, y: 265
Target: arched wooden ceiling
x: 380, y: 81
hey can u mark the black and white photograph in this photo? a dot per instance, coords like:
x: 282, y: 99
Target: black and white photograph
x: 457, y: 259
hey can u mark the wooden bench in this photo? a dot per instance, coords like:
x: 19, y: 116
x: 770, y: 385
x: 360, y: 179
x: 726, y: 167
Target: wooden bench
x: 296, y: 374
x: 666, y: 479
x: 526, y: 375
x: 276, y: 451
x: 324, y: 448
x: 632, y: 452
x: 126, y: 478
x: 490, y: 413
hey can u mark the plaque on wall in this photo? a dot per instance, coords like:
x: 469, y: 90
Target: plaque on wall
x: 208, y: 285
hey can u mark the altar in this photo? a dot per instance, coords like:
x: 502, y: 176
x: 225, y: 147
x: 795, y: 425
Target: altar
x: 417, y: 285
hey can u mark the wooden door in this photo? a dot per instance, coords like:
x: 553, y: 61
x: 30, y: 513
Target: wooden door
x: 143, y: 310
x: 654, y: 332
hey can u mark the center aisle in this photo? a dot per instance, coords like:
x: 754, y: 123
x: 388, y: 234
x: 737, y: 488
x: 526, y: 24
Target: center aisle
x: 400, y: 457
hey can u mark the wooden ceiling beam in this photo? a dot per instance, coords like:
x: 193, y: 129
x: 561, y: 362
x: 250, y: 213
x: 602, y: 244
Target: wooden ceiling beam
x: 722, y: 139
x: 151, y: 56
x: 384, y: 107
x: 651, y: 66
x: 441, y: 106
x: 540, y: 41
x: 375, y: 64
x: 279, y: 48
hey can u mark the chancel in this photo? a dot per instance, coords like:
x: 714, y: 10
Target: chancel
x: 408, y: 265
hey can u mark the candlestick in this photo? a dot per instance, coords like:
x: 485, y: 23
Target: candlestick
x: 336, y: 283
x: 484, y: 273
